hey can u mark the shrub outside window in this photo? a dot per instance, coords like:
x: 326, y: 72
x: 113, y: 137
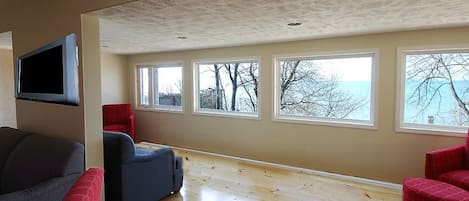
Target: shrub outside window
x: 331, y: 89
x: 434, y: 90
x: 160, y: 87
x: 227, y: 87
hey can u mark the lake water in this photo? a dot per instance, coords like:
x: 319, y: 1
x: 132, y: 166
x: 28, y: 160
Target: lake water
x: 443, y: 109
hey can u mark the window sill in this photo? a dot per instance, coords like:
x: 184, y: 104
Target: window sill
x: 436, y: 130
x: 177, y: 110
x: 327, y: 122
x: 235, y: 115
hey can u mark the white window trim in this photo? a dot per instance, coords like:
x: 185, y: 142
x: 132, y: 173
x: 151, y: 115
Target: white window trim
x: 138, y: 97
x: 196, y: 110
x: 349, y: 123
x: 152, y: 106
x: 400, y: 126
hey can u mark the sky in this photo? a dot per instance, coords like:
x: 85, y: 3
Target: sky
x: 168, y: 78
x: 347, y: 69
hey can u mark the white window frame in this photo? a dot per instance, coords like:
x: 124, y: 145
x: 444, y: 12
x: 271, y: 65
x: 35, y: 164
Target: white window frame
x: 152, y: 106
x: 400, y: 125
x: 196, y: 110
x: 350, y: 123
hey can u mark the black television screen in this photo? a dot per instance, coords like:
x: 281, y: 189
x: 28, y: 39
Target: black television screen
x: 42, y: 73
x: 50, y: 73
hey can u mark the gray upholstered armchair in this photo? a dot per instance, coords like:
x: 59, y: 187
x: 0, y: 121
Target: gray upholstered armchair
x: 137, y: 175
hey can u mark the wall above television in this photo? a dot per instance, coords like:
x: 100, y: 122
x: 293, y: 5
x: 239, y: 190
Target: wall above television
x: 49, y: 73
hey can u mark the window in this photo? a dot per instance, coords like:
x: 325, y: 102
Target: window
x: 434, y: 90
x: 335, y: 89
x: 160, y: 87
x: 227, y: 87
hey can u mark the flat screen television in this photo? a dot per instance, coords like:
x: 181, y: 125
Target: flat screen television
x: 50, y: 73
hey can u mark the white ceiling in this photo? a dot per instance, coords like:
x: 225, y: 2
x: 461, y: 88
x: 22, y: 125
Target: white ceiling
x: 154, y: 25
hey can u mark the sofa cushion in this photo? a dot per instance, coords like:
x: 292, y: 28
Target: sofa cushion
x: 420, y: 189
x: 49, y: 190
x: 39, y: 158
x: 9, y: 138
x: 458, y: 178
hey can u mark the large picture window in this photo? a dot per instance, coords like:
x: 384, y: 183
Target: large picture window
x: 160, y: 87
x: 227, y: 87
x: 434, y: 90
x: 332, y: 89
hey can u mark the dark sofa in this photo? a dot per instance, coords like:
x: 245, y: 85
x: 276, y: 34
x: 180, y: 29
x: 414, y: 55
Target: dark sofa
x: 139, y: 175
x: 37, y: 167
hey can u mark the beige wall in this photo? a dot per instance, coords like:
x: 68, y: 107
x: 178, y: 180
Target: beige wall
x: 35, y: 23
x: 7, y: 89
x: 114, y: 78
x: 381, y: 154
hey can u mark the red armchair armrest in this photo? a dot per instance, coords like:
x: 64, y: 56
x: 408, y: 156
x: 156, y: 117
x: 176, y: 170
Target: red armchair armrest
x: 444, y: 160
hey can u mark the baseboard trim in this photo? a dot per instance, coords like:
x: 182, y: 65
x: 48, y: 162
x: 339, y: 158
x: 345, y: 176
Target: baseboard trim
x: 298, y: 169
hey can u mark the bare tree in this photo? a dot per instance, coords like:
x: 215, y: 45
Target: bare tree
x: 434, y: 74
x: 289, y: 76
x: 337, y: 103
x: 179, y: 86
x: 231, y: 76
x: 303, y: 90
x: 233, y: 72
x: 216, y: 70
x: 249, y: 82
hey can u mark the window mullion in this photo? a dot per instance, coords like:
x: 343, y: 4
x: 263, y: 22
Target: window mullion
x: 156, y: 89
x: 150, y: 87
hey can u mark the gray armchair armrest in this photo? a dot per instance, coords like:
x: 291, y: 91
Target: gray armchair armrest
x: 147, y: 156
x: 51, y: 190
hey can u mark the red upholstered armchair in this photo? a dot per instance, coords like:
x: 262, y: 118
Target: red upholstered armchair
x: 119, y: 117
x: 450, y: 165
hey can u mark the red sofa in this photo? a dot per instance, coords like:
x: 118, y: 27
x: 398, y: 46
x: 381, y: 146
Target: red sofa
x: 88, y: 187
x: 446, y: 176
x: 420, y: 189
x: 449, y: 165
x: 119, y: 118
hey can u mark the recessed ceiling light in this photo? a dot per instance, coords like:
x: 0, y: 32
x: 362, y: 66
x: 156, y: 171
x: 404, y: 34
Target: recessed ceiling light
x: 105, y: 43
x: 182, y: 37
x: 294, y: 24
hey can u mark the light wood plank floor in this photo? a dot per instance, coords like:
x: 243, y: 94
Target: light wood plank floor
x: 214, y: 178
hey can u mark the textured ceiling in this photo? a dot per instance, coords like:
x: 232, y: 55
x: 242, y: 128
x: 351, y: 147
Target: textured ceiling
x: 5, y: 40
x: 154, y: 25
